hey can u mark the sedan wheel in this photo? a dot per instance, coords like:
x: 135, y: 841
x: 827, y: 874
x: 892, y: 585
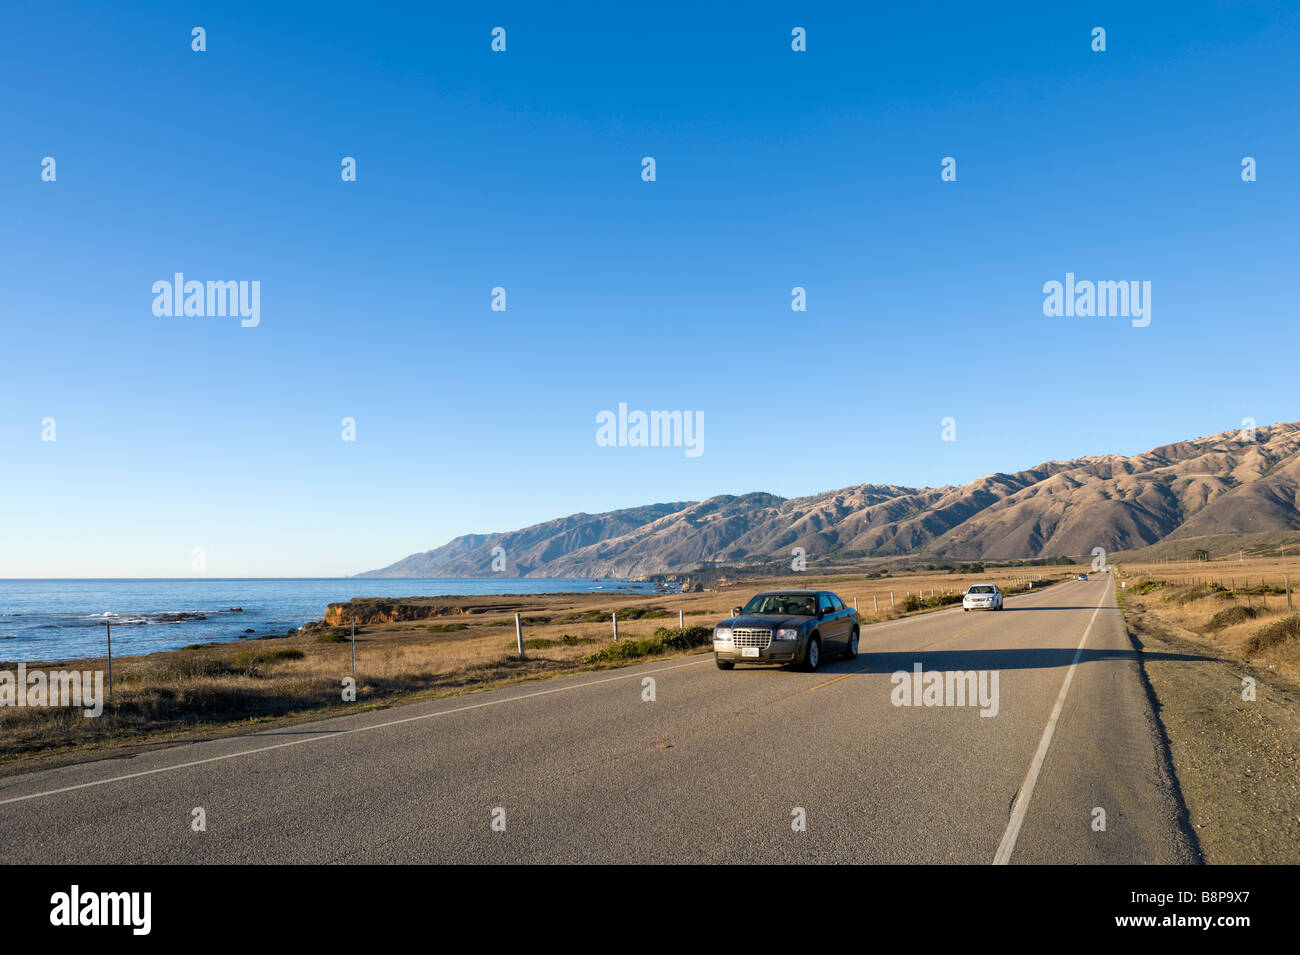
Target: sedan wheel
x: 852, y: 652
x: 814, y: 656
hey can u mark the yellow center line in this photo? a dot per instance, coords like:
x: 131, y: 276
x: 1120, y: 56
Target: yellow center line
x: 837, y: 679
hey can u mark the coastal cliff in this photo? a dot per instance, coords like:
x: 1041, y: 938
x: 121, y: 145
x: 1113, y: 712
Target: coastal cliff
x: 369, y: 610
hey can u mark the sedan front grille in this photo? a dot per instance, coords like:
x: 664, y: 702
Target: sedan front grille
x: 752, y: 638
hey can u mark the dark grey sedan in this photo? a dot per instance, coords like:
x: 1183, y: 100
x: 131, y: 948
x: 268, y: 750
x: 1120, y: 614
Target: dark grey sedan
x: 802, y: 627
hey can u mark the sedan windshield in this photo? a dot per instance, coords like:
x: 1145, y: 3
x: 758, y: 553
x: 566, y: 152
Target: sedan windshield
x: 783, y: 605
x: 981, y: 589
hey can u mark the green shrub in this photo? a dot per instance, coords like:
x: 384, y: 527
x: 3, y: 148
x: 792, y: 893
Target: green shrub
x: 665, y: 640
x: 913, y: 602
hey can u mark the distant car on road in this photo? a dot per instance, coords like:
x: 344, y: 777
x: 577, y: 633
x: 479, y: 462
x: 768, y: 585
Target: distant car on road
x: 787, y: 626
x: 982, y: 597
x: 1083, y: 576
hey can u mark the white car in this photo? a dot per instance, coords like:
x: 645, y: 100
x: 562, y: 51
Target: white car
x: 982, y: 597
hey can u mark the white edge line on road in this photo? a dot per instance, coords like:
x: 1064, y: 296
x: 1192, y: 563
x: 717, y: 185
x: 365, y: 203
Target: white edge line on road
x: 336, y: 734
x: 1021, y: 807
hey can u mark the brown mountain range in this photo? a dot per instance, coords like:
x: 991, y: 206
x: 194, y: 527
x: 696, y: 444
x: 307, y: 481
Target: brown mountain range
x: 1223, y: 484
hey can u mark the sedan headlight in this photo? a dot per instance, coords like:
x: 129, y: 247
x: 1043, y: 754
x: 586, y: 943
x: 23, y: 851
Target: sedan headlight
x: 787, y: 634
x: 722, y: 633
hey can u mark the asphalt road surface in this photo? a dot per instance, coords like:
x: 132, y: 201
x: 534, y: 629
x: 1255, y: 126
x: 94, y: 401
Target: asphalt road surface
x: 714, y: 769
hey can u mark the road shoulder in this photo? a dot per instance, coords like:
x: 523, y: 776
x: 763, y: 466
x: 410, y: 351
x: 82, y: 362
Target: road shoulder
x: 1236, y: 761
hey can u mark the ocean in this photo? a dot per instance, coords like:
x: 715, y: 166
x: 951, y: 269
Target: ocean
x: 64, y: 619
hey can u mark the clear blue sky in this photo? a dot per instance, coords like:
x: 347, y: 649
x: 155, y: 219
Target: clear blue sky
x: 522, y: 170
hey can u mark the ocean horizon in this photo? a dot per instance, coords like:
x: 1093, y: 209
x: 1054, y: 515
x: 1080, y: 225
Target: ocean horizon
x: 63, y: 618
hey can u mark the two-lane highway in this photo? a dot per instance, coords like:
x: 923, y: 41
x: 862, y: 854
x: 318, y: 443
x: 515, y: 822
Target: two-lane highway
x: 718, y: 767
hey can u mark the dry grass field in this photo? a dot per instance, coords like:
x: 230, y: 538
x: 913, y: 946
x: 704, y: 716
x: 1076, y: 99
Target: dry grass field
x: 1245, y: 609
x: 465, y: 644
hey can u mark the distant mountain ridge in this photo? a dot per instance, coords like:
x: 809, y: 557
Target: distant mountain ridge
x: 1216, y: 485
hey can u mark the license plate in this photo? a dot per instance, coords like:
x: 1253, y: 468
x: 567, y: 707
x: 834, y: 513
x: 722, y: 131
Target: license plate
x: 749, y: 651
